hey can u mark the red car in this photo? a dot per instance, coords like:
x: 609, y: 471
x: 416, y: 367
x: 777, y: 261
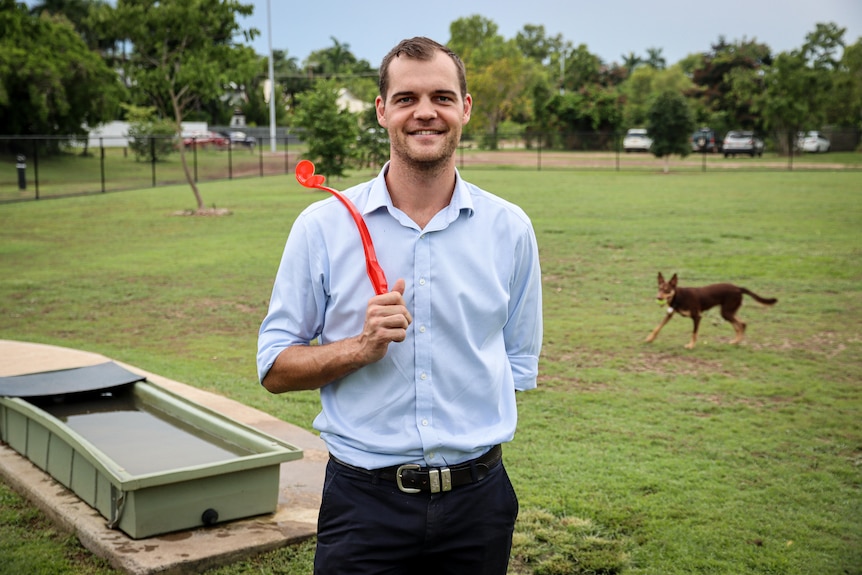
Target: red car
x: 205, y: 140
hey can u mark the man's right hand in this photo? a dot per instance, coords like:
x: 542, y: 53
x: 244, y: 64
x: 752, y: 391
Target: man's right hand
x: 313, y: 366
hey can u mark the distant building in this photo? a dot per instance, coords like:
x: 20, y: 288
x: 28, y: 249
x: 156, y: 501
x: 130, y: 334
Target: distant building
x: 349, y: 102
x: 116, y: 134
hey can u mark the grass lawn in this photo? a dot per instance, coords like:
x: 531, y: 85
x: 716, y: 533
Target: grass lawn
x: 630, y: 457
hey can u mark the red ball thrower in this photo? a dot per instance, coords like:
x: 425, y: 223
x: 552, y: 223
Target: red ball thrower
x: 307, y: 178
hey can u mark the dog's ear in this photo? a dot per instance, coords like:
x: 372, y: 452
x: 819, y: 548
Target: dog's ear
x: 673, y: 281
x: 660, y: 278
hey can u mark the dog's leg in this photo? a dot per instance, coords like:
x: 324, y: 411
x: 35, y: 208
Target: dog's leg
x: 664, y: 320
x: 695, y: 317
x: 739, y: 328
x: 728, y: 312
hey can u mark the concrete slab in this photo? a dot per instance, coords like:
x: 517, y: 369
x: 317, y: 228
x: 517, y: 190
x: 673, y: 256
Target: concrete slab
x: 190, y: 551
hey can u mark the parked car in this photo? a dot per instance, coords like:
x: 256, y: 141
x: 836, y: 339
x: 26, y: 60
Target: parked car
x: 637, y: 140
x: 742, y: 142
x: 814, y: 142
x: 240, y: 139
x: 703, y: 140
x: 205, y: 140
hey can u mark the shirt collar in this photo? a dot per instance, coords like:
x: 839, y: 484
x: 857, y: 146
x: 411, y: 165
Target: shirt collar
x: 379, y: 197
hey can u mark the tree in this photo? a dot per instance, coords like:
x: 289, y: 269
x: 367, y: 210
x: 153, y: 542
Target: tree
x: 84, y: 17
x: 790, y: 97
x: 719, y: 106
x: 499, y: 75
x: 670, y: 124
x: 329, y: 132
x: 183, y: 53
x: 631, y: 61
x: 50, y: 83
x: 846, y: 109
x: 655, y: 59
x: 582, y: 68
x: 534, y: 43
x: 638, y: 93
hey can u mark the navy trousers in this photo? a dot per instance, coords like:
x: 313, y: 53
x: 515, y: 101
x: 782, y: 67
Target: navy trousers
x: 368, y: 526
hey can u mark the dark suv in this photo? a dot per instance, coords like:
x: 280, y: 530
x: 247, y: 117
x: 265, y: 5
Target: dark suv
x: 704, y: 140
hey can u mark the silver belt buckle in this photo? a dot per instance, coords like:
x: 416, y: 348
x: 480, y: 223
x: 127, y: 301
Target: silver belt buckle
x: 439, y: 480
x: 398, y: 478
x: 442, y: 479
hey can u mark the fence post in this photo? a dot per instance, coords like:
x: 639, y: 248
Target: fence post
x: 229, y: 161
x: 286, y: 152
x: 260, y: 159
x: 36, y: 166
x: 153, y: 158
x: 539, y: 156
x: 102, y: 161
x: 791, y: 145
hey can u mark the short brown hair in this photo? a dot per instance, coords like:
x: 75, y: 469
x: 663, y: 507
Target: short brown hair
x: 420, y: 48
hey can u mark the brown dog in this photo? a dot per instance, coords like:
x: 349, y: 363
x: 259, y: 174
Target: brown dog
x: 692, y: 302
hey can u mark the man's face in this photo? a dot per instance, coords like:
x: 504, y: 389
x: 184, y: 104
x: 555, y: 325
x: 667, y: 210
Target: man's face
x: 424, y: 111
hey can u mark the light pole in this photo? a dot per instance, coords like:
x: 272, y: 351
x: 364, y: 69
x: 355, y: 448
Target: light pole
x: 272, y: 142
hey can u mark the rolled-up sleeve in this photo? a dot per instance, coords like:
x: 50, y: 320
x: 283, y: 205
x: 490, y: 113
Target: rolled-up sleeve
x: 296, y: 307
x: 523, y: 331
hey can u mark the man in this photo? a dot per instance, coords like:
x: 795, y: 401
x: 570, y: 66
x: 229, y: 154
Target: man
x: 417, y: 385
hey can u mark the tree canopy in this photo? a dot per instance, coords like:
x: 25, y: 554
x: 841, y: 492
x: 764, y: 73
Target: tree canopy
x: 184, y: 52
x: 190, y: 59
x: 50, y: 81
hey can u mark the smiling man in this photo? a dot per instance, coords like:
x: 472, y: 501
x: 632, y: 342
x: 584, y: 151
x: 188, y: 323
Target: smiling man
x: 417, y: 385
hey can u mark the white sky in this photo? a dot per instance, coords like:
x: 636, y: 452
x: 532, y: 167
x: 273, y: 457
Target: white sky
x: 609, y: 28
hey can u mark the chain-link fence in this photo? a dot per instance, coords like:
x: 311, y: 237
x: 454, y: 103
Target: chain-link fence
x: 38, y: 167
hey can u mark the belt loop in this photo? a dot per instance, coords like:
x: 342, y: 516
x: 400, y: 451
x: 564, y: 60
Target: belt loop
x: 474, y: 473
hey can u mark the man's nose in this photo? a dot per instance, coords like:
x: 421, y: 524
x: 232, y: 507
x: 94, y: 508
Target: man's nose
x: 425, y: 110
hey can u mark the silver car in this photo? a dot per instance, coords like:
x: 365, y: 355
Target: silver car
x: 637, y: 140
x: 742, y: 142
x: 814, y: 142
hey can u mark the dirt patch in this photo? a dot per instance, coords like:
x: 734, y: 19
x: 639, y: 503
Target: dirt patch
x: 207, y: 212
x: 612, y: 160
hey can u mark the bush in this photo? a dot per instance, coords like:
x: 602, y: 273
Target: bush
x: 151, y: 139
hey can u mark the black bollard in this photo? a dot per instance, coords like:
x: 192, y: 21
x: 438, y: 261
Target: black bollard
x: 22, y: 172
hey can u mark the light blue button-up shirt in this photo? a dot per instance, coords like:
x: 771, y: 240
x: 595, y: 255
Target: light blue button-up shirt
x: 473, y: 286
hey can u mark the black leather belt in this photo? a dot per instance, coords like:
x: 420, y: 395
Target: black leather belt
x: 412, y: 478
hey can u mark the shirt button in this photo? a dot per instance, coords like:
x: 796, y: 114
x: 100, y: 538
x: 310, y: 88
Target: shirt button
x: 422, y: 281
x: 423, y: 376
x: 421, y: 329
x: 425, y: 422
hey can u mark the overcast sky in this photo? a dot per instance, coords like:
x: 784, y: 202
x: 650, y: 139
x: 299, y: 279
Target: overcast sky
x: 609, y: 28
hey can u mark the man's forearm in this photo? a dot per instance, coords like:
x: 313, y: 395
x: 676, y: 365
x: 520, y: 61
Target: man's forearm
x: 303, y: 367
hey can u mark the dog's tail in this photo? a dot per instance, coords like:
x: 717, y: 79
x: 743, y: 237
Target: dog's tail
x: 758, y: 299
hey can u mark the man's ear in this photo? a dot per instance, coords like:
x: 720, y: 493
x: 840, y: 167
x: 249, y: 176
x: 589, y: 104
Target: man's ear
x: 380, y: 108
x: 468, y: 108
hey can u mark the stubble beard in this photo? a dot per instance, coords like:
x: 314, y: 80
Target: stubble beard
x: 425, y: 161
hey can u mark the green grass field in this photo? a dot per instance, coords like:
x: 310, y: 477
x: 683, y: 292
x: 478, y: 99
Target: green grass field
x: 630, y: 458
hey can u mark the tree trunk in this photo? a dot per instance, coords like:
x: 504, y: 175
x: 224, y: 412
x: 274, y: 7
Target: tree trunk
x: 667, y: 164
x: 189, y: 177
x: 178, y: 118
